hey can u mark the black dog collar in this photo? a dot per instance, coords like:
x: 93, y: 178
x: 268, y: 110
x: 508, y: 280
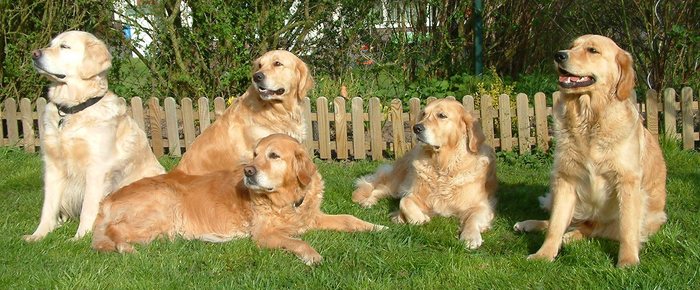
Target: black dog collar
x: 79, y: 107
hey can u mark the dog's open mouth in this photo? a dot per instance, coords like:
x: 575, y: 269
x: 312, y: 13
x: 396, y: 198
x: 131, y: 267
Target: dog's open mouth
x: 268, y: 92
x: 569, y: 80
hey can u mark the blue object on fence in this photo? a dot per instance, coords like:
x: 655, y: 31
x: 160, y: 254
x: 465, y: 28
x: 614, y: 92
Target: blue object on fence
x: 127, y: 31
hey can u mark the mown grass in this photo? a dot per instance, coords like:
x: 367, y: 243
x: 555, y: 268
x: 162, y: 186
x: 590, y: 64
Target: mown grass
x: 404, y: 256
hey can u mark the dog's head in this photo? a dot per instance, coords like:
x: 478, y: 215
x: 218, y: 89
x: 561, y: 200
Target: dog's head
x: 72, y: 55
x: 281, y: 75
x: 595, y: 63
x: 279, y: 164
x: 445, y: 123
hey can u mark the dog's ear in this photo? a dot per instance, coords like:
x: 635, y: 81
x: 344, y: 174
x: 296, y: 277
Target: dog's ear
x: 96, y: 60
x: 305, y: 81
x: 475, y: 136
x: 304, y: 167
x: 625, y: 85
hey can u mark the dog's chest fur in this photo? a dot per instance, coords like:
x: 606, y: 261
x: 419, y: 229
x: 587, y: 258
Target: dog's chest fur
x: 449, y: 187
x: 589, y: 152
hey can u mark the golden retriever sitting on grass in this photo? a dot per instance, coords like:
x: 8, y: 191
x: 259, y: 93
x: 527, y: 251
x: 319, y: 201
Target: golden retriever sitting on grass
x: 272, y: 104
x: 451, y: 172
x: 273, y: 200
x: 609, y: 176
x: 90, y: 145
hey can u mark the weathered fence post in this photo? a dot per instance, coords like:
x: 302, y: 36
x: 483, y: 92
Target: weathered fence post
x: 204, y: 116
x: 687, y: 117
x: 25, y: 108
x: 397, y: 127
x: 504, y: 123
x: 171, y: 126
x: 652, y: 118
x: 413, y: 112
x: 187, y: 121
x: 155, y: 117
x: 324, y: 136
x: 523, y: 117
x: 541, y: 121
x: 137, y: 112
x: 487, y: 119
x: 358, y: 128
x: 341, y: 128
x: 11, y: 116
x: 375, y: 129
x: 670, y: 113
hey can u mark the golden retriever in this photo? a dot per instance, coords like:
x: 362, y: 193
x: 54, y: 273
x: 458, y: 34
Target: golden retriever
x: 451, y: 172
x: 90, y: 146
x: 275, y: 198
x: 271, y: 105
x: 609, y: 176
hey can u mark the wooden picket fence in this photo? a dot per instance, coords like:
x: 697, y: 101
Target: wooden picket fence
x: 365, y: 128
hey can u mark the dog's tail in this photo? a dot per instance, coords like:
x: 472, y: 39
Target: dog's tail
x: 371, y: 188
x: 101, y: 242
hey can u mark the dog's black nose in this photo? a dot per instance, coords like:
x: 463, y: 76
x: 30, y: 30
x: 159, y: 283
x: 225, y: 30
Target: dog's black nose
x: 36, y: 54
x: 418, y: 128
x: 249, y: 171
x: 258, y: 77
x: 561, y: 56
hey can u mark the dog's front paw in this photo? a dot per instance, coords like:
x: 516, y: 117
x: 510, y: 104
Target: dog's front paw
x: 32, y: 238
x: 472, y: 240
x: 541, y: 257
x: 519, y: 227
x: 397, y: 217
x: 627, y: 263
x: 572, y: 236
x: 627, y: 260
x: 311, y: 259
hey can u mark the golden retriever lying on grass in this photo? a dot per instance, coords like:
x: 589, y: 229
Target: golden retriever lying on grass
x: 275, y: 198
x: 450, y: 173
x: 609, y: 176
x: 90, y: 146
x: 272, y: 104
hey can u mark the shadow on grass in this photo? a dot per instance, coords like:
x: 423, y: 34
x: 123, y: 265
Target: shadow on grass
x: 518, y: 202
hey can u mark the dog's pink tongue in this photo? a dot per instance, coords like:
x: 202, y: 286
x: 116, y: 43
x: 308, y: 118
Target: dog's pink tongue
x: 564, y: 79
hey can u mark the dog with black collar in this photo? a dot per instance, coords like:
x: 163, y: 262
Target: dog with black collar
x: 90, y: 146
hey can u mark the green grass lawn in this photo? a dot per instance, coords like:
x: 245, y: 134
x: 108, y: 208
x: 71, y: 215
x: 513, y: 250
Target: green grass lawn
x: 404, y: 256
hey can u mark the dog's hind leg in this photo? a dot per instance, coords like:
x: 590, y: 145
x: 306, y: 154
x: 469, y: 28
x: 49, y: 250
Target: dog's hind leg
x: 101, y: 241
x: 371, y: 189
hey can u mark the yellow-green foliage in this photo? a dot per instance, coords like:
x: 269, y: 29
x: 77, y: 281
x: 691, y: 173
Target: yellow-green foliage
x: 494, y: 87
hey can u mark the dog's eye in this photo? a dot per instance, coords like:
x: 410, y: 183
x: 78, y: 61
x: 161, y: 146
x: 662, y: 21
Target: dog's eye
x: 255, y: 154
x: 592, y: 50
x: 273, y: 155
x: 277, y: 63
x: 442, y: 116
x: 64, y: 46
